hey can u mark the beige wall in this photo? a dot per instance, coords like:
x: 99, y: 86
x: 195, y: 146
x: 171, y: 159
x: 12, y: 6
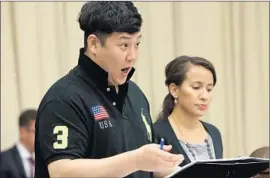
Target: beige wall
x: 40, y: 42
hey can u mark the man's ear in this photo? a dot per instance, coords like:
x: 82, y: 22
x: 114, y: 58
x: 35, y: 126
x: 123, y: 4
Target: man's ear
x: 22, y: 132
x: 93, y: 43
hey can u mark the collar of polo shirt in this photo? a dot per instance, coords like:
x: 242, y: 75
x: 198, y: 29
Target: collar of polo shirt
x: 95, y: 72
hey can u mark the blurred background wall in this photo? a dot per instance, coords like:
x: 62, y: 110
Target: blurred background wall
x: 40, y: 42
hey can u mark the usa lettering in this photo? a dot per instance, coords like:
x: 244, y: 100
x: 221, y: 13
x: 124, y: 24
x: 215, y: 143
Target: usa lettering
x: 105, y: 124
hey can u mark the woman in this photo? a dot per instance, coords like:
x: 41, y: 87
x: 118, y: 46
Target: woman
x: 190, y: 82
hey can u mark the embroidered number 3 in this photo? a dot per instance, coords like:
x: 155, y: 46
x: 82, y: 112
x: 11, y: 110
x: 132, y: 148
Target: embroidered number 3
x: 62, y: 137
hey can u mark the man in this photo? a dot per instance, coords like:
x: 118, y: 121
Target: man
x: 262, y: 152
x: 18, y: 162
x: 95, y: 122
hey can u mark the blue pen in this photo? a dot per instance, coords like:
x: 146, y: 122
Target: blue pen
x: 161, y: 143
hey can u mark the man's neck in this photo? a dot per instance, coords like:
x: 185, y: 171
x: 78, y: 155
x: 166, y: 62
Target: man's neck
x: 23, y: 147
x: 110, y: 81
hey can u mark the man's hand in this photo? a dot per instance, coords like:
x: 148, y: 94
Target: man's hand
x: 152, y: 159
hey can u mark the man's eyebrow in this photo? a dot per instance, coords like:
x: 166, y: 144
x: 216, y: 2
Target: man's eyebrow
x: 128, y: 37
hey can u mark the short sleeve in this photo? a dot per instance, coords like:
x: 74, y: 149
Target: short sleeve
x: 63, y: 130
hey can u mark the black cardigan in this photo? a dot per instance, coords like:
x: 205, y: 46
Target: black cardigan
x: 164, y: 130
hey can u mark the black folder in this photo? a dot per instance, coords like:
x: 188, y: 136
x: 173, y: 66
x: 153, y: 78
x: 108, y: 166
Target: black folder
x: 242, y: 167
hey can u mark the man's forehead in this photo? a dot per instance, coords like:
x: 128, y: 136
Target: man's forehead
x: 126, y: 36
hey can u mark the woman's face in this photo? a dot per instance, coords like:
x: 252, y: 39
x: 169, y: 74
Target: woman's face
x: 195, y: 94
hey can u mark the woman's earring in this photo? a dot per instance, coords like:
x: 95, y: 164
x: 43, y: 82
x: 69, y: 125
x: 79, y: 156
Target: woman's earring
x: 175, y: 100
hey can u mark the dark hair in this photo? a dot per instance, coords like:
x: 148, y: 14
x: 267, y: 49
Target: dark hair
x: 175, y: 72
x: 27, y: 116
x: 105, y: 17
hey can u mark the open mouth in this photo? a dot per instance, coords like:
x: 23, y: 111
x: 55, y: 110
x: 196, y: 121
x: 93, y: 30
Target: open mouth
x: 126, y: 70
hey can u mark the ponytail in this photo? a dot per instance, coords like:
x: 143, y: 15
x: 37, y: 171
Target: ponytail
x: 167, y: 107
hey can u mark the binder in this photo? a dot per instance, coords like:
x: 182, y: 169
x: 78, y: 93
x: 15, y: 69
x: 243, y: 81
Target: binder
x: 242, y: 167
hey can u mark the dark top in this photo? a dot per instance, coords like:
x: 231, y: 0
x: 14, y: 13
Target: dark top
x: 11, y: 165
x: 82, y: 117
x: 164, y: 130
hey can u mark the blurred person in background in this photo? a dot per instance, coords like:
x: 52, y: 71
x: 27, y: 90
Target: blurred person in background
x: 18, y: 161
x: 262, y: 152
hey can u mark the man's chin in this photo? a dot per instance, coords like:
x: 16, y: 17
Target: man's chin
x: 121, y: 80
x: 118, y: 81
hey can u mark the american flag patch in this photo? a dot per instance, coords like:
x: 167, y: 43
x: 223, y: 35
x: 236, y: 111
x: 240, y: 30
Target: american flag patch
x: 99, y: 112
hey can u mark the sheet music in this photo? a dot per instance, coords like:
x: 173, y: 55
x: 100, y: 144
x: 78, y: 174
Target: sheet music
x: 218, y: 161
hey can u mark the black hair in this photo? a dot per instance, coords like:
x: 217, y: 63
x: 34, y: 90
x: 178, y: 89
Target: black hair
x: 27, y: 116
x: 175, y: 72
x: 105, y: 17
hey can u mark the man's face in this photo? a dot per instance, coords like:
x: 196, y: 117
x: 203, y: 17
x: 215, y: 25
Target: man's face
x: 118, y: 55
x: 27, y: 135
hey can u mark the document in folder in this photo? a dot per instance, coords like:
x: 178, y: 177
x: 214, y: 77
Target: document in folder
x: 242, y: 167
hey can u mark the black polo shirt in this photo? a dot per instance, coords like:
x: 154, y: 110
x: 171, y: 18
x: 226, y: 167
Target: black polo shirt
x: 81, y: 116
